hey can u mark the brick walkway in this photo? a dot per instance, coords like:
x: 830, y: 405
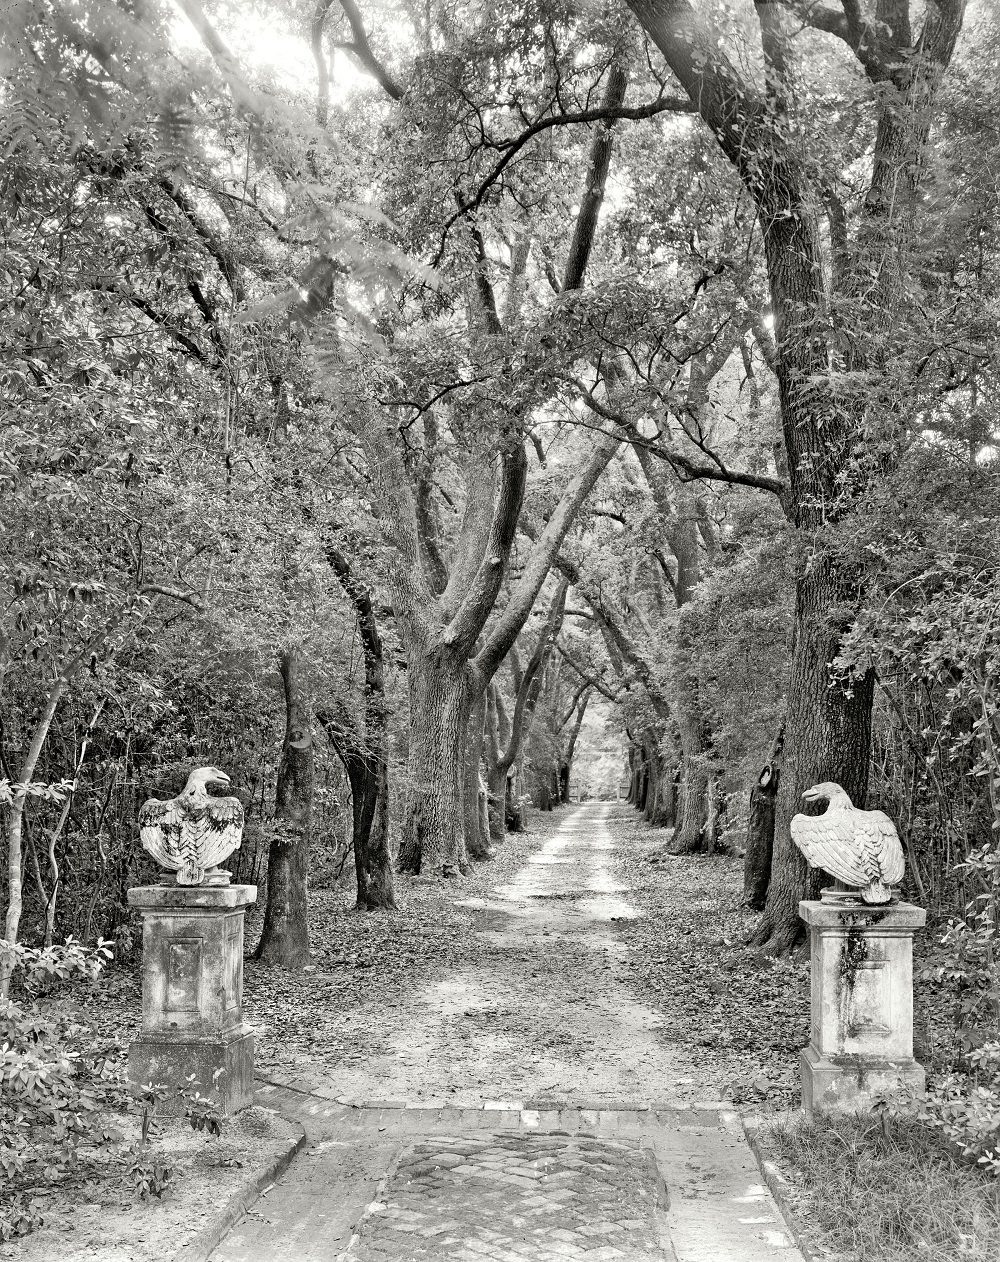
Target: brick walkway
x: 662, y: 1183
x: 516, y: 1196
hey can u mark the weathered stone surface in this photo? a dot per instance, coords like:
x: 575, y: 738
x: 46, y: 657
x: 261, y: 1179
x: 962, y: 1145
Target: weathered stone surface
x: 861, y: 1036
x: 173, y: 1061
x: 192, y: 993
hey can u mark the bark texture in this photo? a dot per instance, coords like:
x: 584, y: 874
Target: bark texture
x: 365, y: 753
x: 284, y: 939
x: 440, y: 694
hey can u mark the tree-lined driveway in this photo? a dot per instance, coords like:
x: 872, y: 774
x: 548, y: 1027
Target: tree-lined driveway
x: 526, y: 1107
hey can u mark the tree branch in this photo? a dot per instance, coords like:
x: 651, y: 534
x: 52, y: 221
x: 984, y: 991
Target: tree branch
x: 513, y: 146
x: 597, y: 176
x: 362, y: 50
x: 526, y: 589
x: 686, y: 468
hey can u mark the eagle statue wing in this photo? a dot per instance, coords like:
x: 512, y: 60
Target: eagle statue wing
x: 860, y: 848
x: 190, y: 840
x: 828, y: 842
x: 160, y: 828
x: 224, y: 831
x: 880, y: 846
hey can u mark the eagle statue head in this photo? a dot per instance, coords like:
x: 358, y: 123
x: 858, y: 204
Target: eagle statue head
x: 202, y: 777
x: 830, y: 792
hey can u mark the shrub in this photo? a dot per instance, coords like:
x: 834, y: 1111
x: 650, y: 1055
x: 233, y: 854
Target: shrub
x: 54, y: 1089
x: 59, y: 1092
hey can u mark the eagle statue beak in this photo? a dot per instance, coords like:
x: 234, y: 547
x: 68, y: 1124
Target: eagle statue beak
x: 810, y: 795
x: 220, y: 777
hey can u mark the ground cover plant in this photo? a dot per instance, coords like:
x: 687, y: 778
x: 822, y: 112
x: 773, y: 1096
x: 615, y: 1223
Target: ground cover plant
x: 885, y: 1189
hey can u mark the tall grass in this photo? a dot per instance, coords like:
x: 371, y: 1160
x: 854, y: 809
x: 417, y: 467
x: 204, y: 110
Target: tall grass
x: 883, y: 1190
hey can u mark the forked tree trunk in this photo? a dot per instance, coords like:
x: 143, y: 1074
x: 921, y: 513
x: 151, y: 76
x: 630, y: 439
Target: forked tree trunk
x: 566, y: 765
x: 284, y: 939
x: 439, y: 694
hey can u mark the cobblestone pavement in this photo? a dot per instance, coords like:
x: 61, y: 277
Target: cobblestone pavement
x: 602, y: 1151
x: 516, y: 1196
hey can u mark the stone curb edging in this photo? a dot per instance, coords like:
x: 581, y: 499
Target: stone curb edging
x: 301, y: 1087
x: 379, y: 1196
x: 777, y: 1185
x: 209, y: 1238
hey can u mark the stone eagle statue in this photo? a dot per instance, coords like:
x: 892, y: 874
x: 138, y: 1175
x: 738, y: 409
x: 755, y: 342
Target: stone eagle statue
x: 192, y: 833
x: 860, y: 848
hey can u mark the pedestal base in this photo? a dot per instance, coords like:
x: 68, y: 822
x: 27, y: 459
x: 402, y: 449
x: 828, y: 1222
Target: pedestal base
x: 171, y: 1062
x: 849, y: 1084
x: 192, y: 994
x: 861, y: 1036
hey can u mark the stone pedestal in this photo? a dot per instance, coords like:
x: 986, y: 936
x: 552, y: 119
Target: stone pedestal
x: 192, y: 993
x: 861, y: 1041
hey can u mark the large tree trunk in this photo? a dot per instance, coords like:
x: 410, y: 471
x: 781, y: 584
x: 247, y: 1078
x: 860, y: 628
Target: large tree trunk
x: 285, y: 936
x: 477, y: 842
x: 439, y: 692
x: 827, y: 737
x: 664, y: 814
x: 366, y: 757
x: 760, y: 830
x: 829, y: 454
x: 693, y: 806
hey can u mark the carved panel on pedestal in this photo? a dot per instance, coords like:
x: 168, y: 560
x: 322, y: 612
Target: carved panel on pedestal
x: 183, y: 974
x: 867, y: 1004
